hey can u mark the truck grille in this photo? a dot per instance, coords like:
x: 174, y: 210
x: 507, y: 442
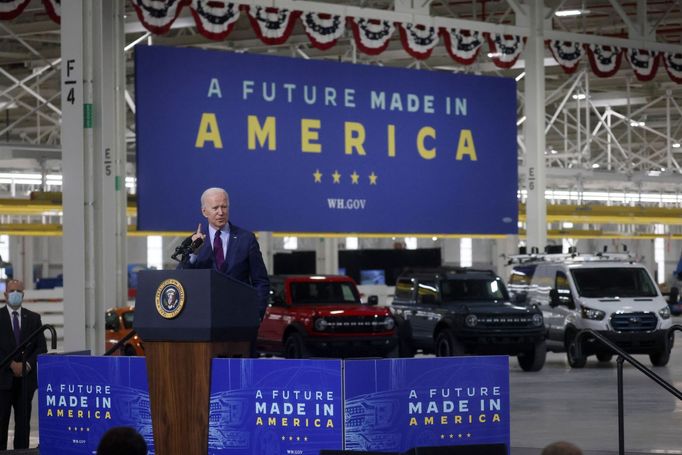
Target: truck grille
x: 505, y: 321
x: 357, y: 324
x: 634, y: 322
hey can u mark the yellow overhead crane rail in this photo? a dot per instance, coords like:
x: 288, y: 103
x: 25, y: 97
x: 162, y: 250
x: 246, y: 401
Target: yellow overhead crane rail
x: 49, y: 204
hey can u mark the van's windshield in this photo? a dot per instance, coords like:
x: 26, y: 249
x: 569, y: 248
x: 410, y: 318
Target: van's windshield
x: 600, y: 282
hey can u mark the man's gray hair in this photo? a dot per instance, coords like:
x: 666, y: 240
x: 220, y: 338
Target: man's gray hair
x: 209, y: 191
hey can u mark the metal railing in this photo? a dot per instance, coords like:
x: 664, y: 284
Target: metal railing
x: 29, y: 340
x: 622, y: 357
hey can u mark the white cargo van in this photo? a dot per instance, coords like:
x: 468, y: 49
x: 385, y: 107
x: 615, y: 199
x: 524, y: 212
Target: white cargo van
x: 609, y: 293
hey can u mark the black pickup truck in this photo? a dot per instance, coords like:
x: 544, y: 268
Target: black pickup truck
x: 458, y: 311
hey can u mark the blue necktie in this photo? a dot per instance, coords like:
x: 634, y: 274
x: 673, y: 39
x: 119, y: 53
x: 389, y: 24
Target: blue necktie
x: 17, y: 329
x: 218, y: 254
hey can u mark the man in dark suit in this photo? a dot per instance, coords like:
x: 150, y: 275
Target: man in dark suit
x: 18, y: 383
x: 228, y: 248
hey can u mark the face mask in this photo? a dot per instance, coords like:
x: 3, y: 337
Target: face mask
x: 15, y: 298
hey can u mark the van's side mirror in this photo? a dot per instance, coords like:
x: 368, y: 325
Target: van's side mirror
x: 554, y: 298
x: 373, y: 300
x: 674, y: 295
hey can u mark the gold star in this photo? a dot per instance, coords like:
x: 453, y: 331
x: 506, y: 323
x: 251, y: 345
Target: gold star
x: 305, y: 438
x: 468, y: 435
x: 373, y: 178
x: 442, y: 436
x: 81, y: 428
x: 284, y: 438
x: 291, y: 438
x: 318, y: 176
x: 336, y: 176
x: 298, y: 438
x: 354, y: 178
x: 87, y: 429
x: 460, y: 436
x: 69, y: 428
x: 452, y: 436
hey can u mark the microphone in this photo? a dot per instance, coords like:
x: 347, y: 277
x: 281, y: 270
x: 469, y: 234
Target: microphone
x: 196, y: 244
x: 182, y: 248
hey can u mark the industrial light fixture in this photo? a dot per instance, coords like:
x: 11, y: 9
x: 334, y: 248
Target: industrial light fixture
x: 570, y: 12
x: 579, y: 96
x: 595, y: 166
x: 676, y: 145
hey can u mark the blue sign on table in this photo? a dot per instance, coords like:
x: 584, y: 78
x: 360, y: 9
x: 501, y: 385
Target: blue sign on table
x: 275, y: 407
x: 321, y: 146
x: 81, y: 397
x: 398, y: 404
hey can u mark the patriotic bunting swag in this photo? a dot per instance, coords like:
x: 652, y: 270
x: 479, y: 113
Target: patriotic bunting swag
x: 644, y: 63
x: 272, y: 25
x: 54, y: 9
x: 673, y: 65
x: 371, y: 36
x: 323, y: 29
x: 215, y: 19
x: 418, y: 40
x: 604, y: 60
x: 566, y: 54
x: 505, y: 50
x: 463, y: 46
x: 157, y: 16
x: 9, y: 9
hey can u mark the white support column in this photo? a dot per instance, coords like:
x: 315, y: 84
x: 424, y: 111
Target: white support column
x: 21, y: 257
x: 109, y: 159
x: 93, y: 83
x: 327, y: 256
x: 534, y: 94
x: 76, y: 224
x: 267, y: 248
x: 450, y: 252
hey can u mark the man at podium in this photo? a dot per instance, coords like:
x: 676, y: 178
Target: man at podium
x: 219, y: 244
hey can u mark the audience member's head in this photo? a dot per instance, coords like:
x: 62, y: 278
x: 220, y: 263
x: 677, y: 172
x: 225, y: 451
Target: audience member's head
x: 122, y: 440
x: 562, y: 448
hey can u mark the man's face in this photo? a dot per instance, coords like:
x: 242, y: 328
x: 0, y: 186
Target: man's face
x: 13, y: 285
x: 216, y: 209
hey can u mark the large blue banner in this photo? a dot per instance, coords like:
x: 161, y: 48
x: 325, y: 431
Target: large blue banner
x: 80, y: 397
x: 275, y: 407
x: 319, y: 146
x: 399, y: 404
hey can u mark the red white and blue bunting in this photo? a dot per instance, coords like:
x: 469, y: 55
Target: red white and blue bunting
x: 462, y: 45
x: 272, y: 25
x: 371, y: 36
x: 9, y: 9
x: 323, y: 29
x: 213, y: 21
x: 604, y: 60
x: 418, y: 40
x: 567, y: 54
x: 54, y: 9
x: 644, y: 63
x: 158, y: 16
x: 673, y: 65
x: 504, y: 49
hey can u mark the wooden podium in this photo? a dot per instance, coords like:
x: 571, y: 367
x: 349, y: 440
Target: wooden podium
x: 185, y: 319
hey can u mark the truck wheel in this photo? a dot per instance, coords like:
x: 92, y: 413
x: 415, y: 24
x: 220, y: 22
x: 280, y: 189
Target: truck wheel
x: 294, y: 347
x: 660, y: 358
x: 604, y: 356
x: 447, y: 345
x: 534, y: 359
x: 574, y: 361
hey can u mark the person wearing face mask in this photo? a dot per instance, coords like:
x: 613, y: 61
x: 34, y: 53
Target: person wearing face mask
x: 18, y: 384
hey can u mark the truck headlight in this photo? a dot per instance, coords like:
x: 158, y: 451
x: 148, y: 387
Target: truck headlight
x: 389, y: 323
x: 537, y: 320
x: 321, y: 324
x: 589, y: 313
x: 471, y: 320
x: 664, y: 312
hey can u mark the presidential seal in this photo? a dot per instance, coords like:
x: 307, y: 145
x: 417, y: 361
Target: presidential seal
x: 170, y: 298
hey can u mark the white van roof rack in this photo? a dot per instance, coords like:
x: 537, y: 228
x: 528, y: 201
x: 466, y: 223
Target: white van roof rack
x: 569, y: 257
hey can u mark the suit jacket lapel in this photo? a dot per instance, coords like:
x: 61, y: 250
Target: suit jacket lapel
x: 231, y: 249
